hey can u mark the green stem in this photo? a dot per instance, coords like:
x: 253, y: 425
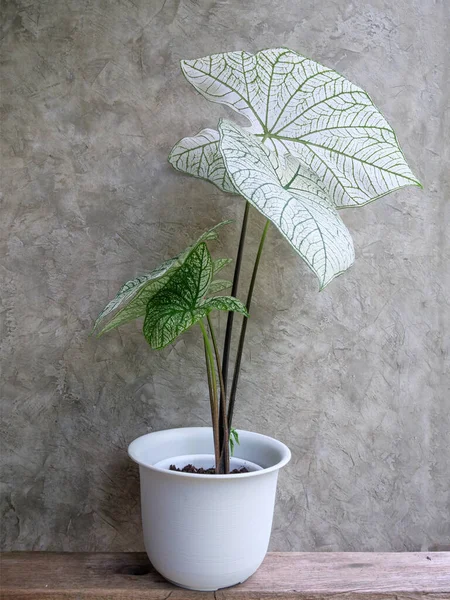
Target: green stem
x: 224, y: 436
x: 212, y: 386
x: 237, y: 365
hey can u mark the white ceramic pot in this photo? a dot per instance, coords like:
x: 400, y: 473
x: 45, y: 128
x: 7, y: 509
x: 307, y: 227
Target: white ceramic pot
x: 205, y: 532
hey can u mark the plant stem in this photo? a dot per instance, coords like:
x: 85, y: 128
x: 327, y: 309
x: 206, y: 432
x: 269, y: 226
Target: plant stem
x: 234, y: 289
x: 237, y: 365
x: 224, y: 436
x: 212, y: 386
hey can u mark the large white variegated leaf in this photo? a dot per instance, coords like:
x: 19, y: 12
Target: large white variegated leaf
x: 292, y: 197
x: 297, y: 106
x: 133, y: 296
x: 199, y: 156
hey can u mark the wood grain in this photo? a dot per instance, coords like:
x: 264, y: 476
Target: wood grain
x: 305, y: 576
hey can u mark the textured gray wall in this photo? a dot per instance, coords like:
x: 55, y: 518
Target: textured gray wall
x: 355, y: 379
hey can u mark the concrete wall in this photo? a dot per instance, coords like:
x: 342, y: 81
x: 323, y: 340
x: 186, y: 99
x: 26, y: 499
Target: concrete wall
x: 355, y: 379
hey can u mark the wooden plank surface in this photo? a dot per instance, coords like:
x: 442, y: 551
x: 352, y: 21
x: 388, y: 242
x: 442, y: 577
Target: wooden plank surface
x: 305, y: 576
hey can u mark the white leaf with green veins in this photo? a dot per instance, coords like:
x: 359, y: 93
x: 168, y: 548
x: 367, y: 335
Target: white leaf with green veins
x: 200, y: 156
x: 134, y: 295
x: 297, y: 106
x: 292, y: 197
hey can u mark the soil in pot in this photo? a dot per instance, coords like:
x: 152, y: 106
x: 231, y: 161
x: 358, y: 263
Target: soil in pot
x: 201, y: 464
x: 201, y: 471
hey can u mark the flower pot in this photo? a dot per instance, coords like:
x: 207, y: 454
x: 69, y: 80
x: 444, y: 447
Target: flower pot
x: 205, y: 532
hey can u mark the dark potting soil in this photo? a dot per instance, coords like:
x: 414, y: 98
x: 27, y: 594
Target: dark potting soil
x: 202, y: 471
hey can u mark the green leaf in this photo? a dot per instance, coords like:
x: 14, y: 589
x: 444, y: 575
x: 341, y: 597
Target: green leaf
x: 220, y: 263
x: 226, y: 303
x: 301, y: 208
x: 134, y: 295
x: 218, y: 285
x: 178, y: 305
x: 181, y: 302
x: 234, y: 438
x: 297, y: 106
x: 131, y: 288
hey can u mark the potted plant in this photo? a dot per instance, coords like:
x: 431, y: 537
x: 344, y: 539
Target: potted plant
x: 315, y: 144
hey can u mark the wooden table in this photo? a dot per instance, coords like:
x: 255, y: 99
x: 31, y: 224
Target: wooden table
x: 301, y: 575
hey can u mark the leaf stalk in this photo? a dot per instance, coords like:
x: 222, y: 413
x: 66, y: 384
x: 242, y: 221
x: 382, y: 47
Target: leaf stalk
x: 224, y: 436
x: 212, y: 386
x: 237, y: 365
x: 234, y: 289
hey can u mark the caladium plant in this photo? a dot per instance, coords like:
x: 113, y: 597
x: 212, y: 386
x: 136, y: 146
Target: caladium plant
x: 314, y: 144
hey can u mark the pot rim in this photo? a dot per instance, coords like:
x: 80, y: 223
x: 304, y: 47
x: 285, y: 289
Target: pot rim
x: 284, y: 450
